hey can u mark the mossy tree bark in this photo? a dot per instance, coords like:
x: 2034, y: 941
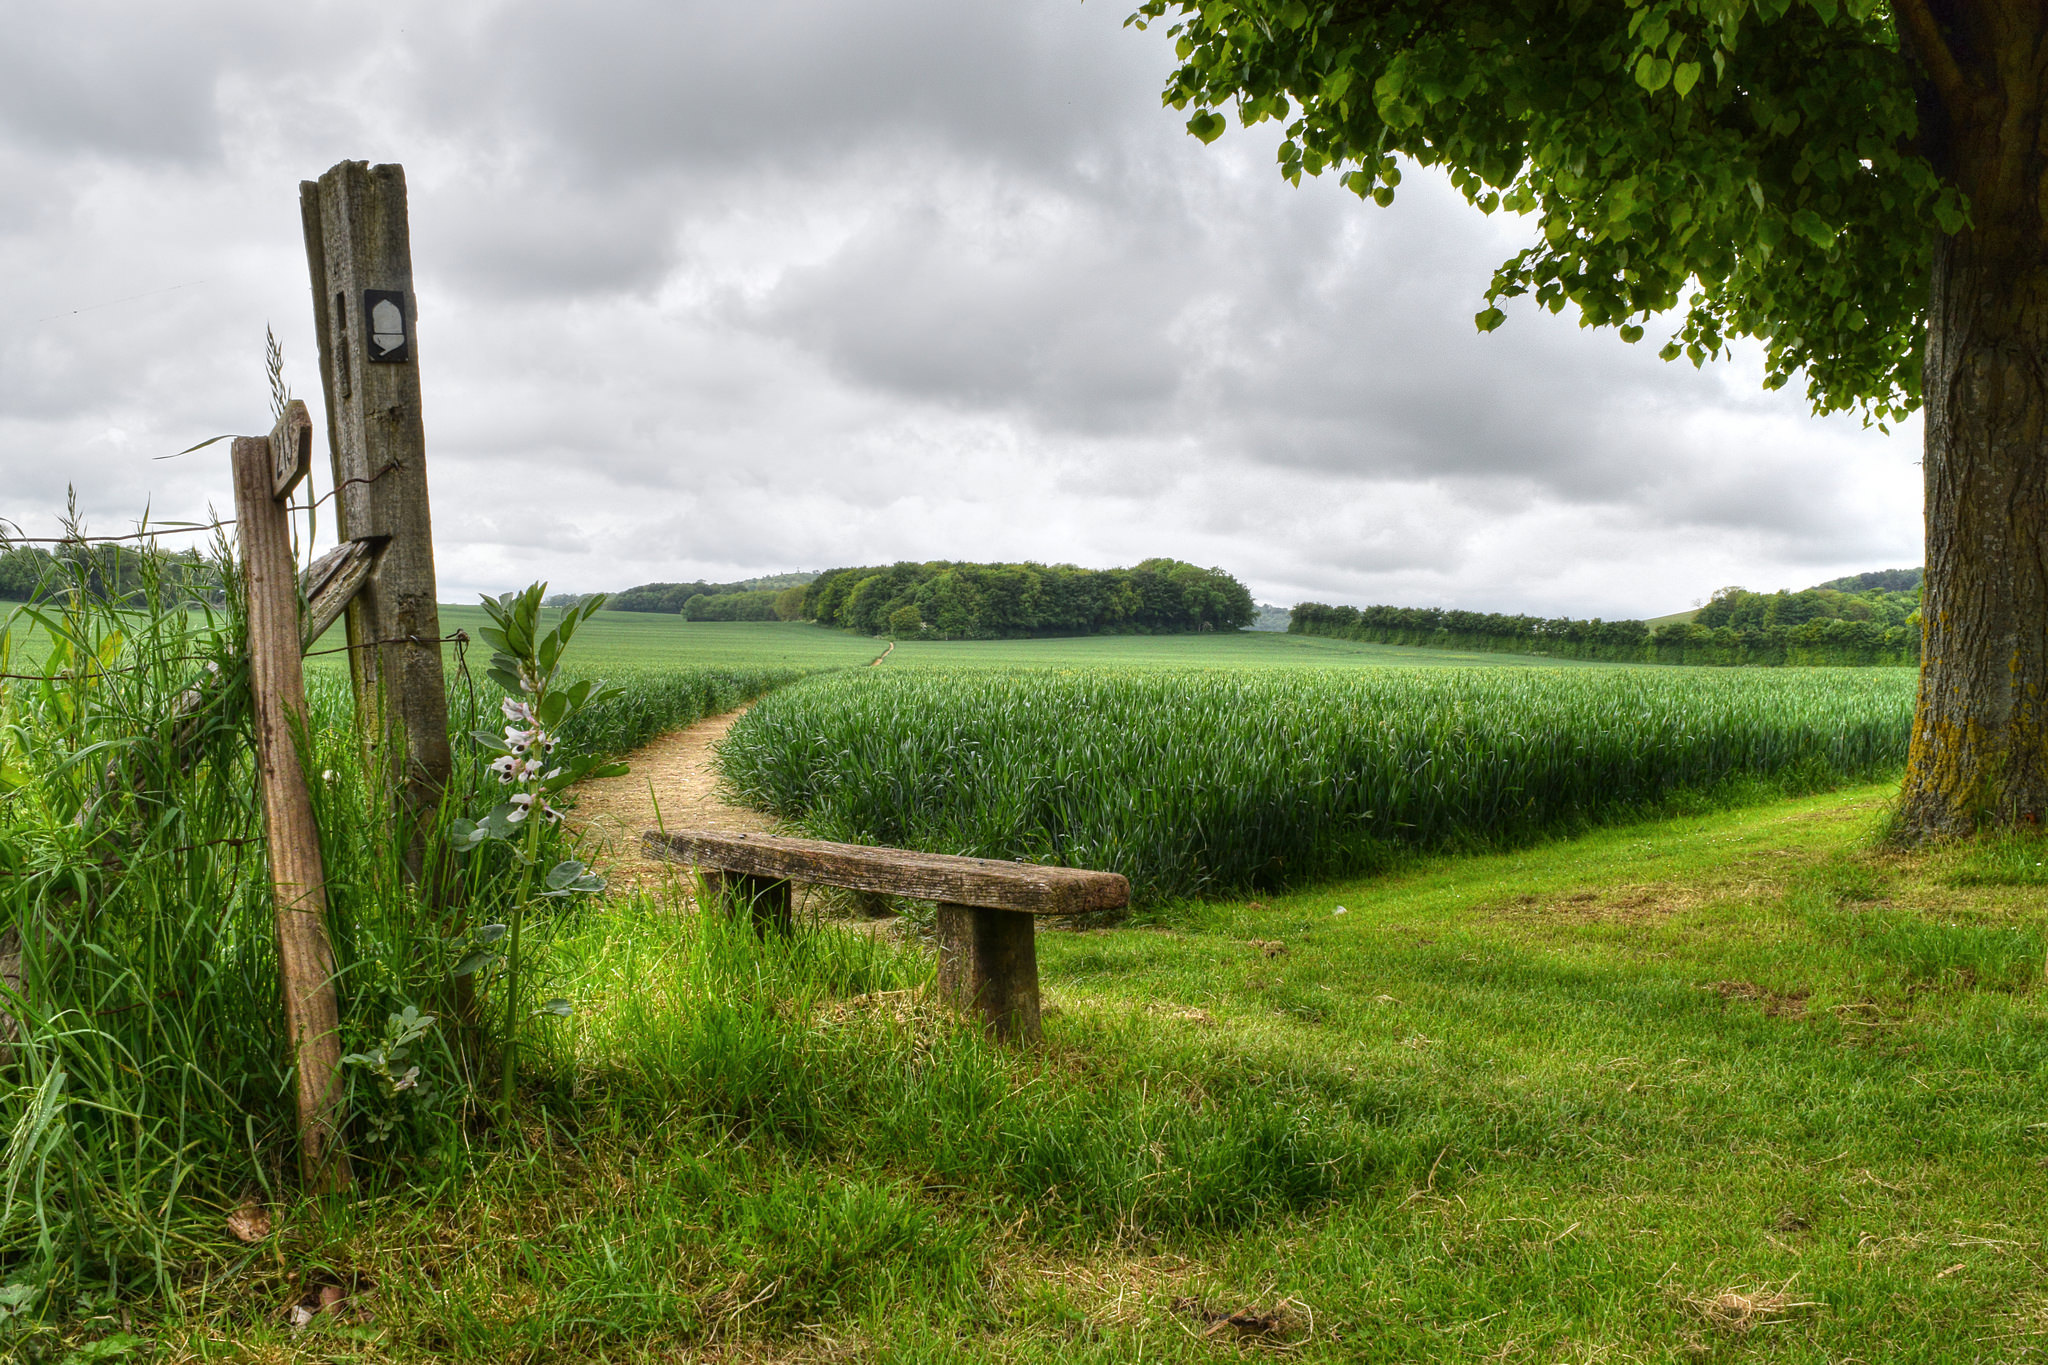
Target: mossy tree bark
x: 1980, y: 738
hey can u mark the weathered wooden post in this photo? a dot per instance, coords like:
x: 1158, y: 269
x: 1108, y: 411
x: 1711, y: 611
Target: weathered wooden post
x: 988, y: 968
x: 359, y: 252
x: 266, y: 470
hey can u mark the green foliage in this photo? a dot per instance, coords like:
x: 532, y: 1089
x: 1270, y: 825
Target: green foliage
x: 1201, y: 782
x: 677, y: 597
x: 151, y: 1083
x: 1751, y: 164
x: 530, y: 762
x: 1002, y: 601
x: 117, y: 574
x: 1762, y: 611
x: 733, y: 606
x: 1818, y: 627
x: 23, y: 568
x: 1879, y: 580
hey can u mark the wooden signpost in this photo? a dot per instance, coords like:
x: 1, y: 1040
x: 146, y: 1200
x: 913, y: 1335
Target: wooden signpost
x: 266, y: 471
x: 381, y: 577
x: 359, y: 252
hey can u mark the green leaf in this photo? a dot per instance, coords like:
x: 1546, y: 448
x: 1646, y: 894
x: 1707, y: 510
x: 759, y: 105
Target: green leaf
x: 1813, y: 228
x: 1685, y: 78
x: 553, y: 707
x: 1207, y: 125
x: 558, y: 1007
x: 1653, y: 73
x: 465, y: 835
x: 1489, y: 319
x: 474, y: 963
x: 563, y: 873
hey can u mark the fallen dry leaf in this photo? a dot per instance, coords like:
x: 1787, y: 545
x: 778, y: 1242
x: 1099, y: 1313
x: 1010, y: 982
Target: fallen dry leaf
x: 250, y: 1221
x: 1244, y: 1321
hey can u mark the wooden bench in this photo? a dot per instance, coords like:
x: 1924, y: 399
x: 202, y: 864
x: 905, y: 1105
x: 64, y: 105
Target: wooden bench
x: 988, y: 956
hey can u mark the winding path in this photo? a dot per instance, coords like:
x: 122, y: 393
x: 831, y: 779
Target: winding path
x: 672, y: 784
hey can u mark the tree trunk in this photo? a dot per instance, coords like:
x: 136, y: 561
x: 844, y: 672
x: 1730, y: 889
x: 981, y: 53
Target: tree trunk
x: 1979, y: 753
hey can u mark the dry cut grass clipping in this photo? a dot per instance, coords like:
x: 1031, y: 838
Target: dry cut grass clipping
x: 1743, y: 1310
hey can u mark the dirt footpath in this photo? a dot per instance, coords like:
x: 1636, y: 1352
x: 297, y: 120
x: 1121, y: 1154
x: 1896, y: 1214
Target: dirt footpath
x: 673, y: 784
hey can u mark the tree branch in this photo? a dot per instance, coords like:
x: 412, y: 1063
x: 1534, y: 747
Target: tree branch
x: 1924, y: 39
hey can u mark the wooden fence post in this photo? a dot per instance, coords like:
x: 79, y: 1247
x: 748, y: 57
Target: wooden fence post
x: 359, y: 252
x: 265, y: 472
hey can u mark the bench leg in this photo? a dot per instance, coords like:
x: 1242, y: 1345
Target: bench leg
x: 768, y: 900
x: 988, y: 968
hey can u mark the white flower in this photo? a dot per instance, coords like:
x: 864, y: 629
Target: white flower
x: 504, y: 766
x: 518, y: 739
x: 528, y: 801
x: 329, y: 775
x: 516, y: 710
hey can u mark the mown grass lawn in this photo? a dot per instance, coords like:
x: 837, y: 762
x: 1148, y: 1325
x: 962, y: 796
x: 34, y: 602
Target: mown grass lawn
x: 1729, y: 1087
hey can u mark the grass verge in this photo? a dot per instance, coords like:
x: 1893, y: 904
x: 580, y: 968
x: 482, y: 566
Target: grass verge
x: 1718, y: 1087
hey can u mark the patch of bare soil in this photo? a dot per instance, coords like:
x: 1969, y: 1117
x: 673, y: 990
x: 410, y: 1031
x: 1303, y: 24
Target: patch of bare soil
x: 1620, y: 904
x: 670, y: 784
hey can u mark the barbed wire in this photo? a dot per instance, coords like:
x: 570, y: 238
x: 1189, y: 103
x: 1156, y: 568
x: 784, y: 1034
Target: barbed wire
x: 458, y: 638
x: 176, y: 528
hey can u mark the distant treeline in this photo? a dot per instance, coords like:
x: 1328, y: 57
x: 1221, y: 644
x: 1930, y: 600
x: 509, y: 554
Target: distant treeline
x: 948, y: 601
x: 1824, y: 625
x: 1746, y: 610
x: 115, y: 573
x: 751, y: 599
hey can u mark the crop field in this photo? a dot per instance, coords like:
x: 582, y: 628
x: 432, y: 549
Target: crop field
x: 1211, y: 781
x: 617, y: 640
x: 614, y: 641
x: 1236, y: 649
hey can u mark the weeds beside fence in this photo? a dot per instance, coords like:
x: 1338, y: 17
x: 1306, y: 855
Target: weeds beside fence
x: 150, y: 1082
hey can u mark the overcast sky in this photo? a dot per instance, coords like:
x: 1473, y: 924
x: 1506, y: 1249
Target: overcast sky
x: 713, y: 290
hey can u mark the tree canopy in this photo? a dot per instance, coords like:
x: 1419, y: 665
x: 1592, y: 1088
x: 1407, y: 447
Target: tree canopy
x: 950, y: 601
x: 1862, y: 187
x: 1752, y: 164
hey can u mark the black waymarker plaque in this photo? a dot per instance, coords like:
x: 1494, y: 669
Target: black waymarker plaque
x: 387, y: 335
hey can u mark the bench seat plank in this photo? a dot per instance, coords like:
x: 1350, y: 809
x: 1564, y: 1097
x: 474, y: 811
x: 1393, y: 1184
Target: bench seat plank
x: 985, y: 882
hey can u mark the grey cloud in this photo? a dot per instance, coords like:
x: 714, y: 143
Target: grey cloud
x: 791, y: 83
x: 722, y: 289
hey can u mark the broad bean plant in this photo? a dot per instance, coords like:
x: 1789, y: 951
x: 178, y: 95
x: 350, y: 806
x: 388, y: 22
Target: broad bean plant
x: 533, y: 768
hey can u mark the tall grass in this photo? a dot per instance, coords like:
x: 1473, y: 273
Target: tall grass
x: 147, y: 1084
x: 1199, y: 782
x: 824, y: 1044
